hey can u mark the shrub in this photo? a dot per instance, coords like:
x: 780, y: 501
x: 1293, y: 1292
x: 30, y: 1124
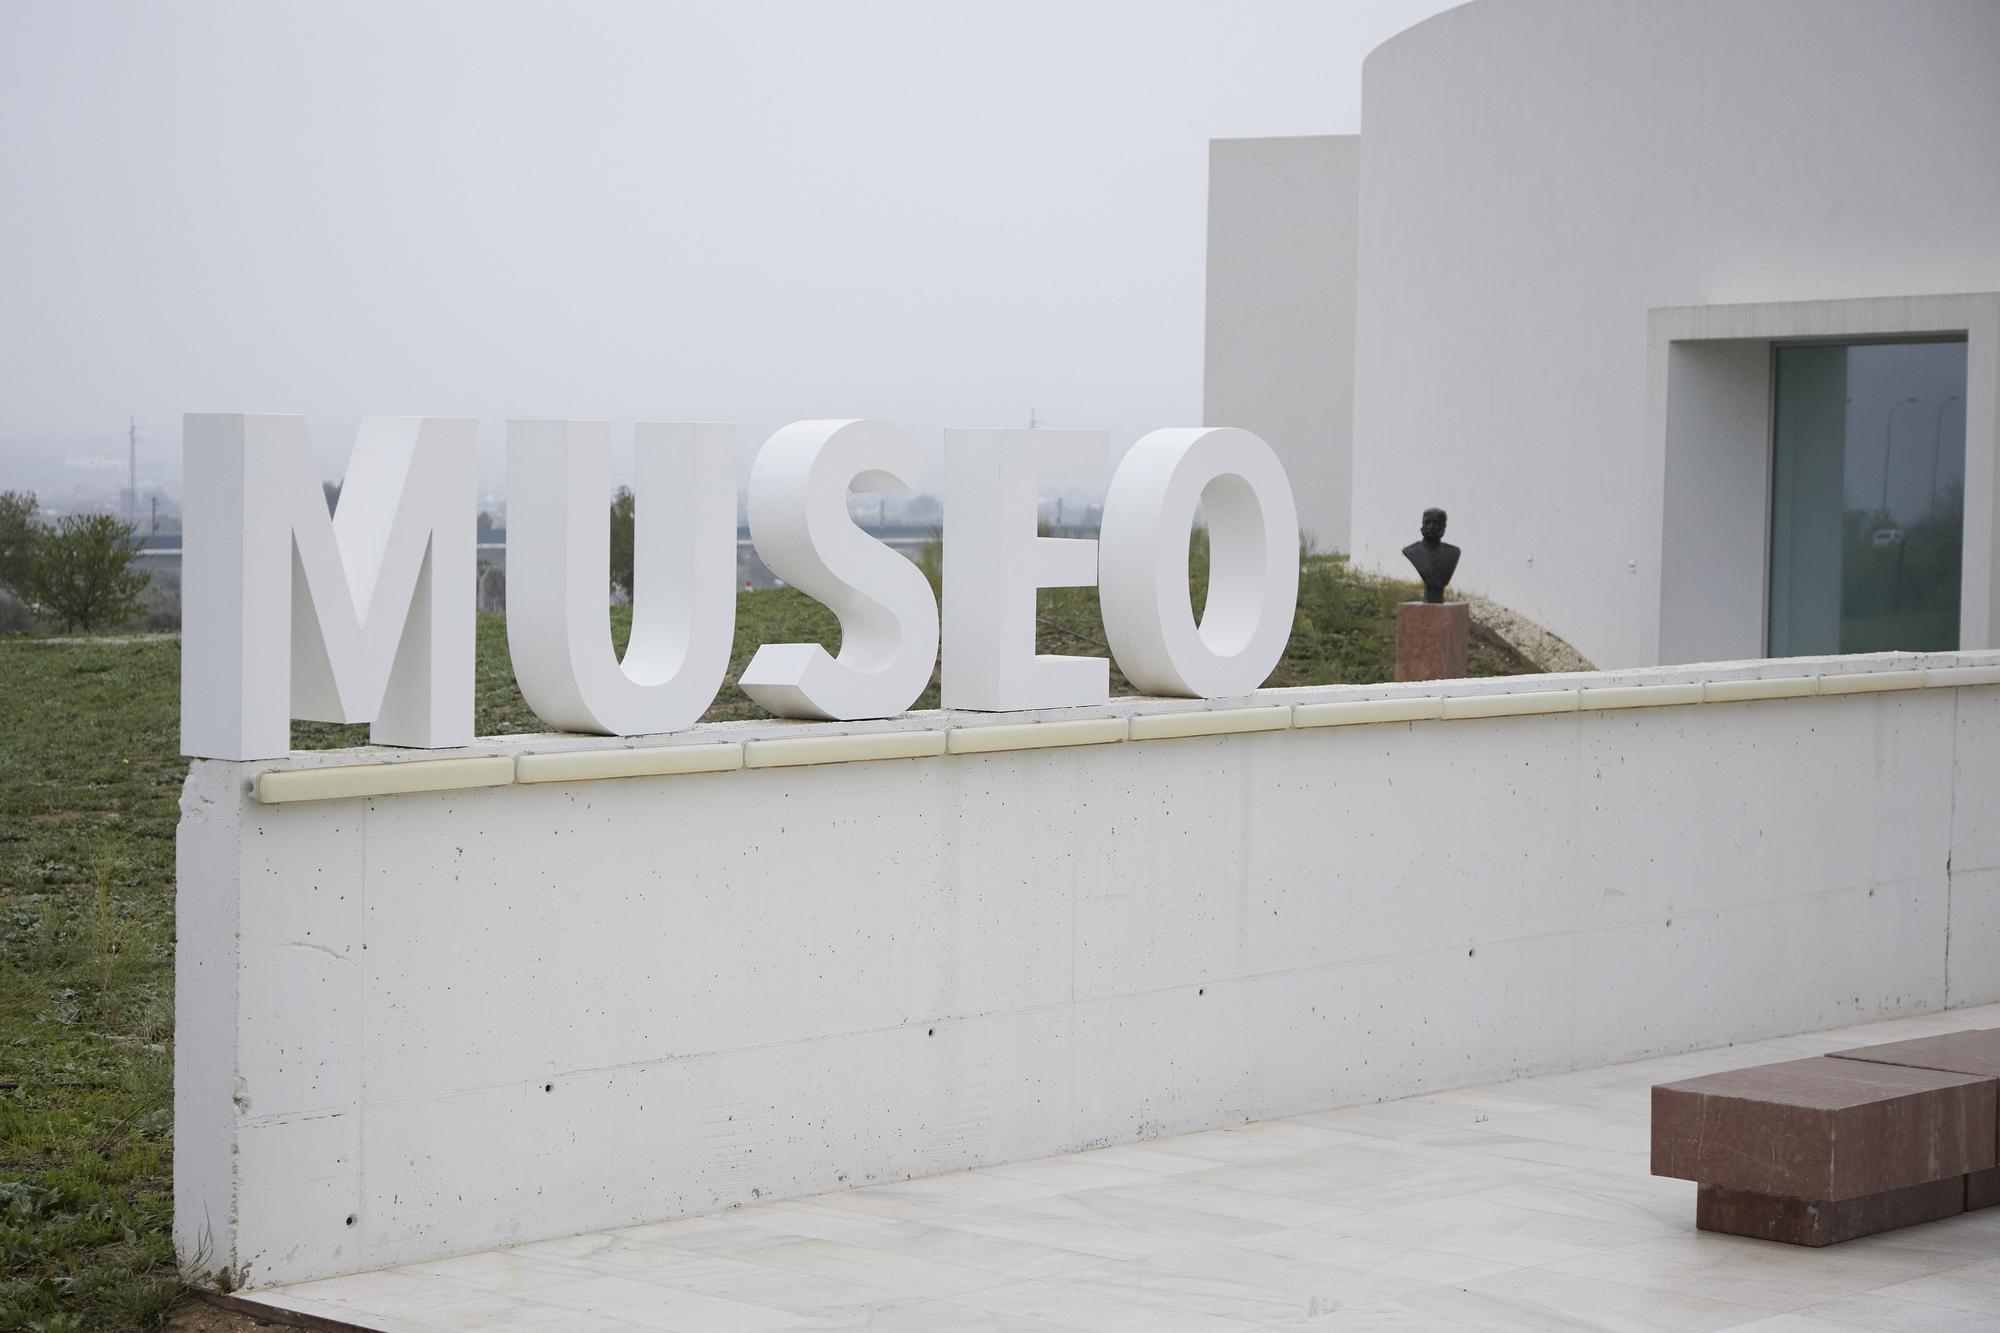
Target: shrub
x: 18, y: 533
x: 81, y: 575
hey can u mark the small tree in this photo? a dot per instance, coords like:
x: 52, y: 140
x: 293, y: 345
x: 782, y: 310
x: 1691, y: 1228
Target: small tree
x: 18, y: 534
x: 621, y: 540
x: 82, y: 573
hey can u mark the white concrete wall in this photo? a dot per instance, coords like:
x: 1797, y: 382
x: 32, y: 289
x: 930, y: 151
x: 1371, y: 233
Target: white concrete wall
x: 1538, y: 174
x: 1715, y: 505
x: 413, y: 1025
x: 1282, y: 215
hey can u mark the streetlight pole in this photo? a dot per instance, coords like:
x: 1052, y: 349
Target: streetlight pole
x: 1937, y: 447
x: 1889, y: 425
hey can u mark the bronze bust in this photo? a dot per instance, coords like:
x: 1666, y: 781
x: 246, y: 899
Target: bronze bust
x: 1434, y: 558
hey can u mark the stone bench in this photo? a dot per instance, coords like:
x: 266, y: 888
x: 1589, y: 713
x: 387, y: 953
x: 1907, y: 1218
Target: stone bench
x: 1976, y: 1053
x: 1816, y: 1151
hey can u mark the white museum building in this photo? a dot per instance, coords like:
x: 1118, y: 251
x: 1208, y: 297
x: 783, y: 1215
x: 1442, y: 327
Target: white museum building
x: 1688, y: 314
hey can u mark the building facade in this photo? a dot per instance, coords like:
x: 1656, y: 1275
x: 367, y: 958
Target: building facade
x: 1688, y: 311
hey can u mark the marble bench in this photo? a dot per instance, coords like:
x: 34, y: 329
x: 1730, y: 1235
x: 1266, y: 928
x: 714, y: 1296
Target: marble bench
x: 1821, y: 1150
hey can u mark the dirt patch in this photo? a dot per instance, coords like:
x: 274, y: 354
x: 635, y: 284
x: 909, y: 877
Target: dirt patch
x: 113, y: 639
x: 205, y: 1312
x: 199, y: 1316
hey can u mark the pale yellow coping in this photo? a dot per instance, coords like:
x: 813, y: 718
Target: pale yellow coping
x: 1962, y: 675
x: 1347, y: 713
x: 1034, y: 735
x: 842, y: 749
x: 473, y: 771
x: 649, y: 762
x: 1868, y: 682
x: 414, y: 775
x: 1211, y: 722
x: 1767, y: 687
x: 1640, y: 696
x: 1528, y: 703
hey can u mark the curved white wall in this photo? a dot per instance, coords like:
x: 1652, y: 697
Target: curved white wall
x: 1280, y: 311
x: 1537, y: 174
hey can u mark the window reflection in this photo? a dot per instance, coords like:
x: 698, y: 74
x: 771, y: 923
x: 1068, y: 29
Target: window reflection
x: 1867, y: 497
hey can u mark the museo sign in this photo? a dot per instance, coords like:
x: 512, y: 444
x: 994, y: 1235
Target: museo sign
x: 367, y: 615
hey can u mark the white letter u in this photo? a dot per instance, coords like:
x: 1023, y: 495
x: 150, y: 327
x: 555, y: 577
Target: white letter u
x: 683, y: 574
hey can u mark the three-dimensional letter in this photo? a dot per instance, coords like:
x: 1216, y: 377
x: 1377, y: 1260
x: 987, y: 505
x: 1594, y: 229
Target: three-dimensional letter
x: 888, y: 617
x: 286, y: 613
x: 994, y: 562
x: 683, y: 574
x: 1253, y: 576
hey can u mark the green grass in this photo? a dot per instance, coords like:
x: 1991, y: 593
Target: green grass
x: 89, y: 792
x: 90, y: 780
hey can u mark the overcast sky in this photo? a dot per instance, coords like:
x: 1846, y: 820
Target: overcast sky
x: 932, y: 212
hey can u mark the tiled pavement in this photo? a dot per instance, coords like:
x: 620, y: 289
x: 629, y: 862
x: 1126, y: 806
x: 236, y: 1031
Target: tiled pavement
x: 1523, y: 1205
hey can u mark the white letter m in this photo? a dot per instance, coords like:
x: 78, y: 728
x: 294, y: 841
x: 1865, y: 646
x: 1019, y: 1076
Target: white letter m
x: 364, y: 616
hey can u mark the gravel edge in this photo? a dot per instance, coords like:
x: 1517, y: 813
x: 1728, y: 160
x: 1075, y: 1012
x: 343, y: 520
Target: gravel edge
x: 1549, y: 651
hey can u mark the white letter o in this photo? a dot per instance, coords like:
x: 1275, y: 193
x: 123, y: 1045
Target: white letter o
x: 1253, y: 582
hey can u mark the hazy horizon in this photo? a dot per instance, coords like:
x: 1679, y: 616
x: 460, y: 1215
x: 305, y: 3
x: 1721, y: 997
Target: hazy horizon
x: 750, y: 213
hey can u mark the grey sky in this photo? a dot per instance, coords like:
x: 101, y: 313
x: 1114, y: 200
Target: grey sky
x: 935, y: 213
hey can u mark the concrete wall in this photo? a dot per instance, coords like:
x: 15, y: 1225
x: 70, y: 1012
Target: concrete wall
x: 1280, y: 333
x: 1539, y: 174
x: 1715, y: 506
x: 418, y: 1024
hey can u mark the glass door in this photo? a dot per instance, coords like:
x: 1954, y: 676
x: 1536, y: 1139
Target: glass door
x: 1867, y: 497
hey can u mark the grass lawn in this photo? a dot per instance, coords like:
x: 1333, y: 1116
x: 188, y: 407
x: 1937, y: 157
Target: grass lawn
x: 90, y: 779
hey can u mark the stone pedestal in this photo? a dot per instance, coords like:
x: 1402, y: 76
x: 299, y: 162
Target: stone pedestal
x: 1431, y: 639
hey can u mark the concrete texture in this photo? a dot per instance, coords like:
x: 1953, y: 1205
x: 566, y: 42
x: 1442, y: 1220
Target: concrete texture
x: 423, y: 1024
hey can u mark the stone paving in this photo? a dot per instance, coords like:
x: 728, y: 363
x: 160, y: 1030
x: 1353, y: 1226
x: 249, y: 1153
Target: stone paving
x: 1516, y: 1206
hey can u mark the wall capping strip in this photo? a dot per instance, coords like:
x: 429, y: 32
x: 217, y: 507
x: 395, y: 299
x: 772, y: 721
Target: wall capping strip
x: 1870, y: 682
x: 1598, y: 698
x: 1211, y: 722
x: 792, y: 753
x: 1347, y: 713
x: 1034, y: 735
x: 1961, y: 675
x: 1761, y: 687
x: 645, y: 762
x: 349, y: 781
x: 357, y: 780
x: 1528, y: 703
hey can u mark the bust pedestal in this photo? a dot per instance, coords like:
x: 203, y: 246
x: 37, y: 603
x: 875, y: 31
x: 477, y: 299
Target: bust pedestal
x: 1431, y: 640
